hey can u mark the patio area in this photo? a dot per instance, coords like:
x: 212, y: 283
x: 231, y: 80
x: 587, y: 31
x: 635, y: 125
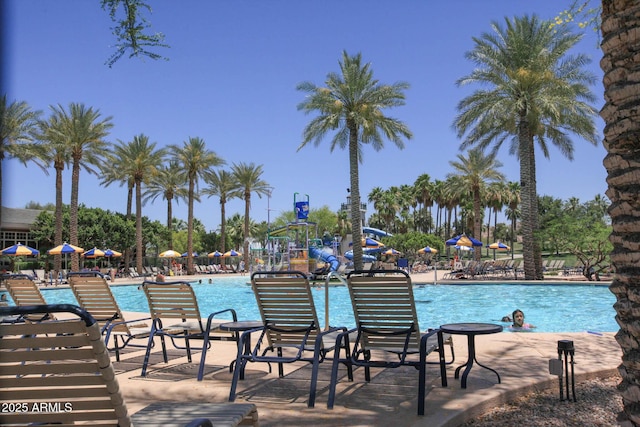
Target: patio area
x: 522, y: 360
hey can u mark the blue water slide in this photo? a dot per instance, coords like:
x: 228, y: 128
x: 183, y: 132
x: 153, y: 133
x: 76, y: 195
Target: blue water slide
x: 325, y: 256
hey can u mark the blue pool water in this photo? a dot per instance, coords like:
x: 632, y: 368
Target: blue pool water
x: 551, y: 308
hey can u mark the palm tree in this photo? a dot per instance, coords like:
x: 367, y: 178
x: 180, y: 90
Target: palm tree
x: 195, y: 160
x: 474, y: 173
x: 224, y: 185
x: 247, y: 176
x: 17, y: 125
x: 622, y: 96
x: 143, y: 161
x: 54, y: 152
x: 424, y: 194
x: 170, y: 183
x: 537, y: 92
x: 83, y: 131
x: 352, y: 104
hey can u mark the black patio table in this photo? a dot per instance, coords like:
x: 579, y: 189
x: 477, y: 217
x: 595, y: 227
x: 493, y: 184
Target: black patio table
x: 471, y: 330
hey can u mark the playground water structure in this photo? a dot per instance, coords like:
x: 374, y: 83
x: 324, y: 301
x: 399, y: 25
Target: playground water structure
x: 297, y: 246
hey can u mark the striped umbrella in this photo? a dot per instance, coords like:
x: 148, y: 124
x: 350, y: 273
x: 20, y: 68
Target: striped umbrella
x: 64, y: 249
x: 214, y: 254
x: 93, y: 253
x: 110, y: 253
x: 231, y: 253
x: 20, y: 250
x: 428, y: 250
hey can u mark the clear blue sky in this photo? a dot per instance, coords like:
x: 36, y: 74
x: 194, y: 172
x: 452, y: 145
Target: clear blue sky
x: 231, y: 79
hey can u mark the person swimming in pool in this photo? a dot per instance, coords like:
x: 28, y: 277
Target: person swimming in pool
x: 518, y: 321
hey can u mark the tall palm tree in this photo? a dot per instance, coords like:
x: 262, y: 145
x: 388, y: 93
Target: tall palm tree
x: 425, y: 195
x: 474, y: 173
x: 536, y: 92
x: 620, y: 25
x: 247, y: 177
x: 195, y: 160
x: 224, y: 185
x: 84, y: 131
x: 55, y: 152
x: 352, y: 104
x: 170, y: 183
x: 17, y: 124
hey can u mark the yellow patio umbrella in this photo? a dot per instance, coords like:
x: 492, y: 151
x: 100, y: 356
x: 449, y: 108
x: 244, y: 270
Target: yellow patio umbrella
x: 170, y: 254
x: 64, y: 249
x: 428, y: 250
x: 93, y: 253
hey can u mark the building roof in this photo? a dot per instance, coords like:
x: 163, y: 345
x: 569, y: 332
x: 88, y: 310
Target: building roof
x: 18, y: 219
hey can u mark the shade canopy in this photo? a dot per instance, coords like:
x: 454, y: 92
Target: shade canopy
x: 231, y: 253
x: 186, y: 254
x: 64, y: 249
x: 214, y: 254
x: 170, y: 254
x: 499, y: 246
x: 463, y: 240
x: 427, y: 250
x: 110, y: 253
x: 20, y: 250
x: 93, y: 253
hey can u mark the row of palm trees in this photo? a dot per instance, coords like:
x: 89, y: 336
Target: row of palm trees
x: 475, y: 180
x: 76, y: 136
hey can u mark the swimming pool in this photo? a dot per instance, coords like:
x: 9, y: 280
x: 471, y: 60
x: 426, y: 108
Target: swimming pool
x: 551, y: 308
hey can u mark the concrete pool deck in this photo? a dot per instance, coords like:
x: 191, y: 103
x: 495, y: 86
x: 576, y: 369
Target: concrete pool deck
x: 522, y: 359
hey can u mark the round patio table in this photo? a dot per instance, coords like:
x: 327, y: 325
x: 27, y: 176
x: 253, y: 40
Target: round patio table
x: 471, y: 330
x: 241, y: 326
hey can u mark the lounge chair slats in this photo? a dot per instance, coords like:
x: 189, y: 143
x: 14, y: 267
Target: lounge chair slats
x: 80, y: 387
x: 290, y: 322
x: 387, y: 324
x: 93, y: 293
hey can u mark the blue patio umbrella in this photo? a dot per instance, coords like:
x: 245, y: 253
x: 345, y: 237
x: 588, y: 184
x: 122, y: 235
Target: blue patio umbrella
x: 428, y: 250
x: 391, y: 252
x: 499, y: 246
x: 463, y: 240
x: 231, y: 253
x: 214, y: 254
x: 20, y: 250
x: 64, y: 249
x: 110, y: 253
x: 184, y: 255
x: 93, y: 253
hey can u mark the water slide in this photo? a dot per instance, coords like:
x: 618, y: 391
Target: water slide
x: 325, y: 255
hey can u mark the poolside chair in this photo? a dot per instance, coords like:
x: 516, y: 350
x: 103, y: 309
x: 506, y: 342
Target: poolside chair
x: 25, y: 292
x: 60, y: 373
x: 175, y: 314
x: 290, y: 326
x: 94, y: 295
x: 387, y: 324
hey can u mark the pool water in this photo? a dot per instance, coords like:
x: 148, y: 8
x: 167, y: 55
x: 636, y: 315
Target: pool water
x: 551, y: 308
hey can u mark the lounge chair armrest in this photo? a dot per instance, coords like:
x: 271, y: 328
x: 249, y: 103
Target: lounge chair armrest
x: 212, y: 315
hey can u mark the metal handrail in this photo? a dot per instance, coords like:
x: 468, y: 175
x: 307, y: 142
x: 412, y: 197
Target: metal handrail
x: 326, y: 295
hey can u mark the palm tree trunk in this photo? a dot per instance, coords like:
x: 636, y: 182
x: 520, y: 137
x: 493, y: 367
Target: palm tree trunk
x: 190, y: 227
x: 245, y: 246
x: 528, y: 200
x: 170, y: 221
x: 620, y: 26
x: 139, y: 254
x: 356, y: 222
x: 57, y: 259
x: 223, y: 232
x: 73, y: 213
x: 477, y: 221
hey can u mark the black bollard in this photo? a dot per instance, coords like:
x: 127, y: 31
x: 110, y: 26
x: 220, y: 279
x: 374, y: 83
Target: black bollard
x: 567, y: 351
